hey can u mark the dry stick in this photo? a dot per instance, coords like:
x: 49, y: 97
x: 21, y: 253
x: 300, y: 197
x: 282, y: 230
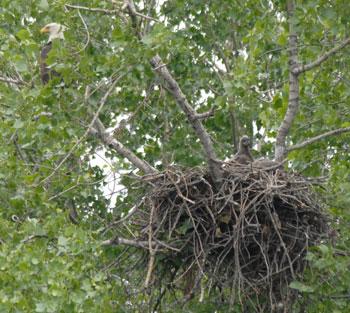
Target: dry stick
x: 87, y: 34
x: 64, y: 191
x: 151, y: 251
x: 95, y: 117
x: 126, y: 217
x: 276, y: 227
x: 174, y: 89
x: 293, y: 99
x: 108, y: 140
x: 31, y: 237
x: 11, y: 81
x: 100, y: 10
x: 128, y: 242
x: 319, y: 137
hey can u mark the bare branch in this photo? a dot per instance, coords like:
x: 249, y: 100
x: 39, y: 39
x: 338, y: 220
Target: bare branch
x: 138, y: 243
x: 12, y: 81
x: 191, y: 114
x: 205, y: 115
x: 319, y: 137
x: 87, y: 34
x: 152, y: 251
x: 128, y: 242
x: 99, y: 10
x: 303, y: 68
x: 108, y: 140
x: 42, y: 114
x: 293, y: 99
x: 31, y: 237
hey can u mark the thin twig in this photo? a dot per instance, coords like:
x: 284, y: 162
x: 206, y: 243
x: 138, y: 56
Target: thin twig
x: 150, y: 248
x: 87, y: 34
x: 99, y: 10
x: 31, y: 237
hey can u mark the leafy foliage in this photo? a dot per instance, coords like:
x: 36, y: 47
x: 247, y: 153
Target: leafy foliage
x: 231, y: 55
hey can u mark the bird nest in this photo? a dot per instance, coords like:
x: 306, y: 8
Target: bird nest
x: 246, y: 237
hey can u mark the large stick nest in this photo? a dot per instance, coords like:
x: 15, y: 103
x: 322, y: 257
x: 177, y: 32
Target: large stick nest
x: 251, y: 233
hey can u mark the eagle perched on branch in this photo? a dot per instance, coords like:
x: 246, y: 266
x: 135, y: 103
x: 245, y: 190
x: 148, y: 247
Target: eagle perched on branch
x: 55, y: 31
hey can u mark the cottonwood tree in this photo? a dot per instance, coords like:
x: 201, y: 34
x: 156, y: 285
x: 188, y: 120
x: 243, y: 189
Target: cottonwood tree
x: 147, y: 84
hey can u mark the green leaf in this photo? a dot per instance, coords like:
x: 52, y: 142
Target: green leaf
x: 21, y: 65
x: 44, y: 5
x: 301, y: 287
x: 23, y: 34
x: 35, y: 261
x: 324, y: 249
x: 40, y: 307
x: 18, y: 124
x: 62, y: 241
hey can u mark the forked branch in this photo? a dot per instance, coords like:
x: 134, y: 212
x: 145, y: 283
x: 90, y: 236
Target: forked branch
x: 192, y: 116
x: 295, y: 69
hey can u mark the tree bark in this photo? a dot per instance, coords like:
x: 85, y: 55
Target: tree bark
x: 192, y: 116
x: 319, y: 137
x: 293, y: 99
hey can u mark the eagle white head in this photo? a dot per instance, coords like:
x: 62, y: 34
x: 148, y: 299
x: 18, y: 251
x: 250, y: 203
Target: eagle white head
x: 55, y: 30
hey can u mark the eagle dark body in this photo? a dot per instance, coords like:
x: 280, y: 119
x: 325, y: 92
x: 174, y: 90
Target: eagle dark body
x: 46, y: 73
x: 243, y: 156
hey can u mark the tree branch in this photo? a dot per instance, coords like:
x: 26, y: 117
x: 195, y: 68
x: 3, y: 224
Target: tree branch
x: 160, y: 68
x: 108, y: 140
x: 128, y: 242
x: 12, y: 81
x: 137, y: 243
x: 130, y: 6
x: 303, y: 68
x: 205, y: 115
x: 293, y: 99
x: 174, y: 89
x: 99, y: 10
x: 319, y: 137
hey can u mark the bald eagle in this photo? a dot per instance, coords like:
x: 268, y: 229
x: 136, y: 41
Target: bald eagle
x: 243, y: 156
x: 55, y: 31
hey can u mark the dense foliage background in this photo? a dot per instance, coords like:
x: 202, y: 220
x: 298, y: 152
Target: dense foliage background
x: 231, y: 55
